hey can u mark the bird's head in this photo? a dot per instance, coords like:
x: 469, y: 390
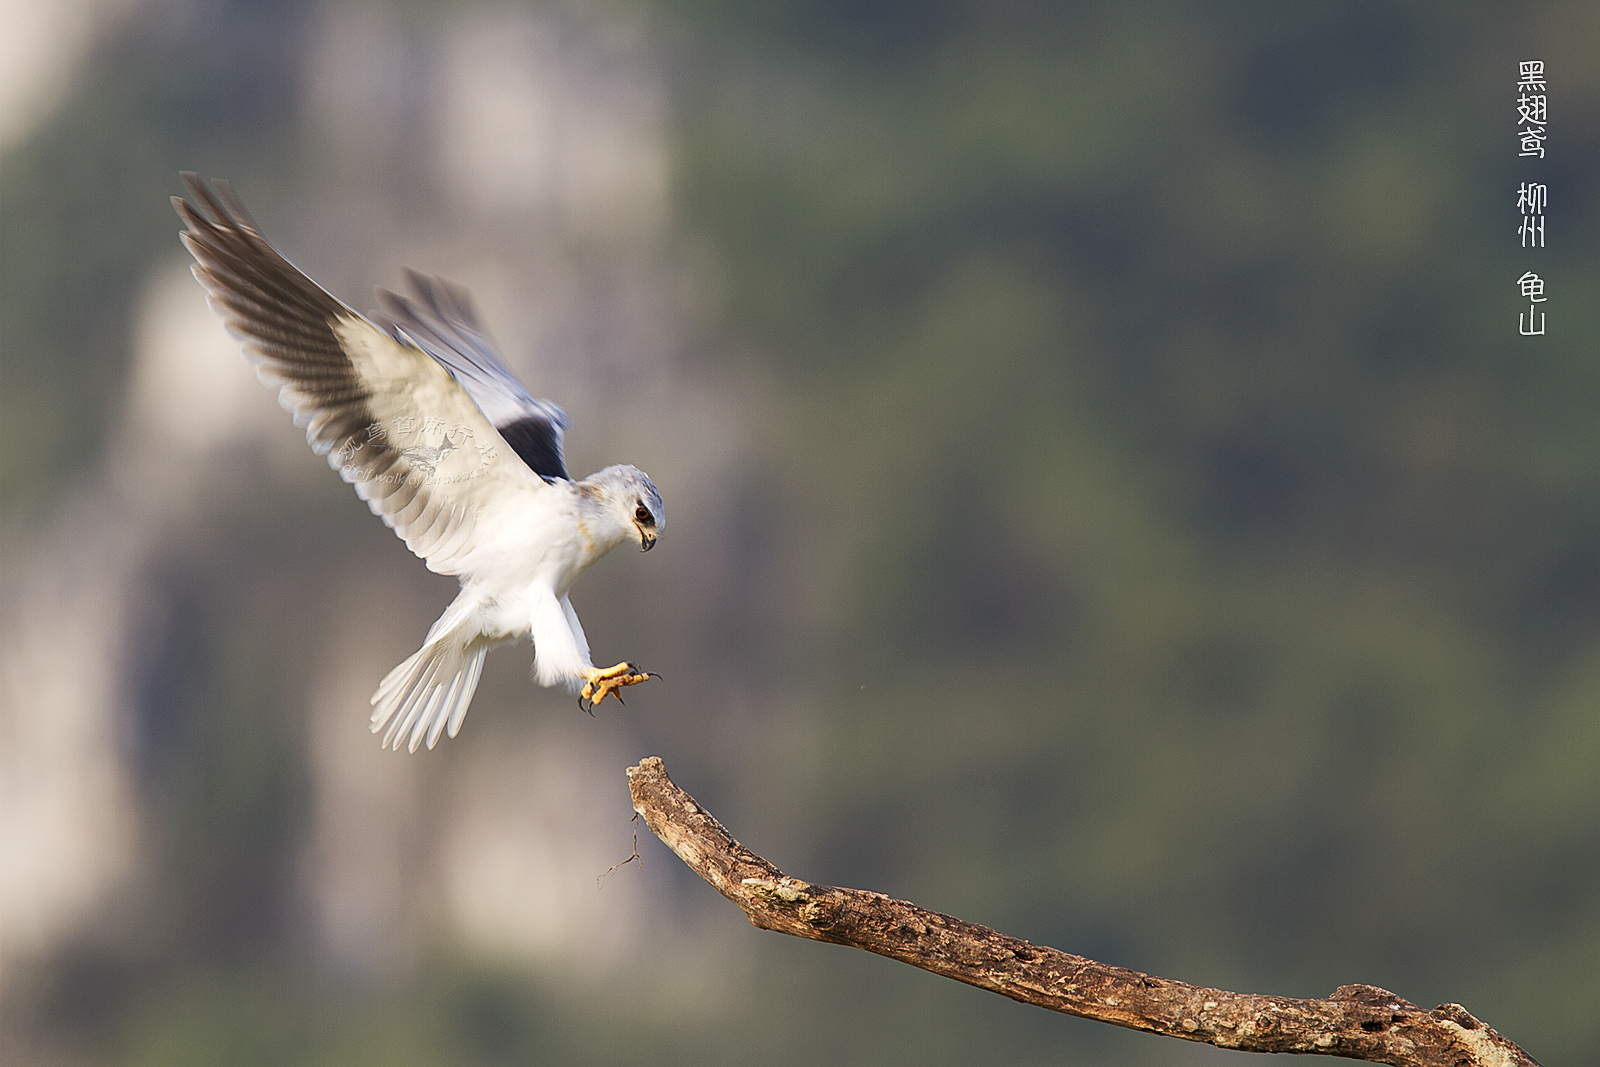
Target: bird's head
x: 628, y: 496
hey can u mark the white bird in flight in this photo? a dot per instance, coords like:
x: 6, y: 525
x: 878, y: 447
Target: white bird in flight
x: 413, y: 407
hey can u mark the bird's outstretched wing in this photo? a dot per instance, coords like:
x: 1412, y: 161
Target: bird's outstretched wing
x: 389, y: 416
x: 439, y: 318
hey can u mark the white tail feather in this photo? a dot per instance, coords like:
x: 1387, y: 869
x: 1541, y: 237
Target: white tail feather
x: 429, y: 692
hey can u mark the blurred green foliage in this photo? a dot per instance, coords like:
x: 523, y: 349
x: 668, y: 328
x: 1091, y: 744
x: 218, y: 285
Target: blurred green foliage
x: 1208, y: 576
x: 84, y: 214
x: 1221, y: 567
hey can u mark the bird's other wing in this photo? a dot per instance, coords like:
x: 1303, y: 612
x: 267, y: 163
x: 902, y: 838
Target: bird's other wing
x: 439, y: 318
x: 388, y: 416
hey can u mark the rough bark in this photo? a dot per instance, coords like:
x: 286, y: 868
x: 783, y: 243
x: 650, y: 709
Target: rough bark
x: 1358, y: 1021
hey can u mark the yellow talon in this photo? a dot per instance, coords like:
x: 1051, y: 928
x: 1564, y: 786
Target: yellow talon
x: 606, y: 682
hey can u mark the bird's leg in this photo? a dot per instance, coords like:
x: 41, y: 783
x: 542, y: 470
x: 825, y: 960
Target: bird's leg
x: 607, y: 680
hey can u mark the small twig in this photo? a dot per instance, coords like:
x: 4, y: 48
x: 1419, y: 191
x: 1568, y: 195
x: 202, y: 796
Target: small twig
x: 624, y: 863
x: 1358, y: 1021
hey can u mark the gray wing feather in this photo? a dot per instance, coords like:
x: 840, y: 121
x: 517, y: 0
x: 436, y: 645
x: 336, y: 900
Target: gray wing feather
x: 439, y: 318
x: 363, y: 396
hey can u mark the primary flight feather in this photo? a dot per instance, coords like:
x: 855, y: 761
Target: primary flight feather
x: 414, y: 408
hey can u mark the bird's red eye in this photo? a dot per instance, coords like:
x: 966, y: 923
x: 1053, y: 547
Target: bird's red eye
x: 642, y: 514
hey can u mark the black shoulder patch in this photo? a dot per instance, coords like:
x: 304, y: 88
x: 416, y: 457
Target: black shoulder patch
x: 537, y: 442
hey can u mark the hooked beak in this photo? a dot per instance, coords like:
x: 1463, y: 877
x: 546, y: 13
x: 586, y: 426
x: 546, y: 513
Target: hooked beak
x: 647, y: 541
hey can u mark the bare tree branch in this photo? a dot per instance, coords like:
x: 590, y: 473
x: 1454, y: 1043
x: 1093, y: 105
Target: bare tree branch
x: 1358, y: 1021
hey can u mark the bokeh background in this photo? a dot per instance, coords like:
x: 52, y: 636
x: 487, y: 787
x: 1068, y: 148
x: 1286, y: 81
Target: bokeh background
x: 1108, y: 498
